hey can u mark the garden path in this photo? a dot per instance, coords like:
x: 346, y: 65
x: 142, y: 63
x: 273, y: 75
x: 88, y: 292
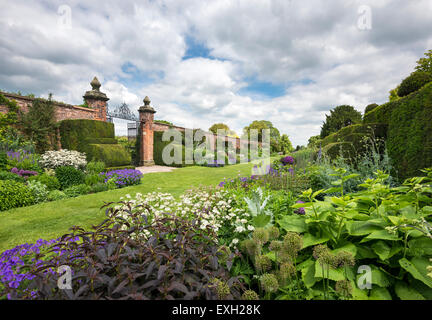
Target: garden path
x: 151, y: 169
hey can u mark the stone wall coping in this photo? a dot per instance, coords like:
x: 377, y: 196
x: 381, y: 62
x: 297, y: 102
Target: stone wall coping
x: 57, y: 103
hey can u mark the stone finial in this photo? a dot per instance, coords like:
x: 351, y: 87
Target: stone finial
x: 95, y: 94
x: 95, y: 84
x: 146, y: 101
x: 146, y: 107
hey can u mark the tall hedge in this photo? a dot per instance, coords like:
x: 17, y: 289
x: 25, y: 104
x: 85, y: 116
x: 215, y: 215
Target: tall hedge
x: 350, y: 140
x: 96, y: 139
x: 159, y: 145
x: 409, y: 134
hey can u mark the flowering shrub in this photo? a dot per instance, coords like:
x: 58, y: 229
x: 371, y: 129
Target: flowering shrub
x: 220, y: 210
x: 39, y: 190
x: 61, y: 158
x: 124, y: 177
x: 24, y: 173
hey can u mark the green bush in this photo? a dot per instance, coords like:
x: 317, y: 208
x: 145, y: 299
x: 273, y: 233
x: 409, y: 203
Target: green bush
x: 56, y: 195
x: 39, y: 190
x: 51, y: 182
x: 7, y: 175
x: 93, y: 179
x: 409, y: 133
x: 414, y: 82
x: 77, y: 190
x: 370, y: 107
x: 3, y: 160
x: 14, y: 194
x: 99, y: 187
x: 69, y: 176
x: 95, y: 167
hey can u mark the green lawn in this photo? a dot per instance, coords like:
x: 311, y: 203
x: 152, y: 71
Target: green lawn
x: 52, y: 219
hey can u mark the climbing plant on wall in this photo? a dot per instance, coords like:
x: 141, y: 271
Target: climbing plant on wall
x: 39, y: 124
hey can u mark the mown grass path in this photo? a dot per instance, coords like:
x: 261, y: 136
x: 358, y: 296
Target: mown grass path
x: 52, y: 219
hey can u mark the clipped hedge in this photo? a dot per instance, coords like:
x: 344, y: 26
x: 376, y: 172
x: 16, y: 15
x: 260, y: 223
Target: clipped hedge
x: 118, y: 168
x: 74, y: 133
x: 409, y: 134
x: 113, y: 155
x: 96, y: 139
x: 159, y: 145
x: 350, y: 140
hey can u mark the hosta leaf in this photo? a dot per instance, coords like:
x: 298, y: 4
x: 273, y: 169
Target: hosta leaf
x: 293, y: 223
x: 405, y: 292
x: 308, y: 274
x: 334, y: 274
x: 361, y: 228
x: 381, y: 235
x: 384, y: 251
x: 379, y: 293
x: 351, y: 248
x: 311, y: 240
x: 417, y: 268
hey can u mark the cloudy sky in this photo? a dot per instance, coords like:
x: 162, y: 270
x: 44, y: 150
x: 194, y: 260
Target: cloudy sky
x: 202, y: 62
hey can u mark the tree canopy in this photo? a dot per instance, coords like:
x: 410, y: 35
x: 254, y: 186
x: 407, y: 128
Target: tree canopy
x: 340, y: 117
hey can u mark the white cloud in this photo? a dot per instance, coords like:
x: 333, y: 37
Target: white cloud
x: 314, y: 48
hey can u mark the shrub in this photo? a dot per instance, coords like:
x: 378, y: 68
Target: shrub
x: 95, y: 167
x: 39, y: 190
x: 75, y: 191
x: 56, y: 195
x: 370, y: 107
x: 51, y: 182
x: 130, y: 267
x: 7, y: 175
x: 61, y: 158
x: 3, y: 160
x: 93, y: 179
x: 111, y: 154
x: 23, y: 159
x: 99, y: 187
x: 69, y: 176
x: 414, y: 82
x: 14, y: 194
x: 124, y: 178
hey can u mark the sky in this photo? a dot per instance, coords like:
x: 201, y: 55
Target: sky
x: 203, y: 62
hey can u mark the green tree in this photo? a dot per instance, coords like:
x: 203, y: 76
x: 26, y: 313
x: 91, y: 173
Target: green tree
x: 285, y: 144
x: 314, y: 141
x: 222, y: 126
x: 394, y: 94
x: 260, y: 125
x: 340, y: 117
x: 425, y: 64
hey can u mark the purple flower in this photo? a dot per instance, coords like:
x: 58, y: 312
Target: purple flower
x: 287, y: 160
x: 123, y: 177
x: 300, y: 211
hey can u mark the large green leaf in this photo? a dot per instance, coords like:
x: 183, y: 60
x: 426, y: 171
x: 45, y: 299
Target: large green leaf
x: 294, y: 223
x: 406, y: 292
x: 417, y: 268
x: 424, y: 244
x: 334, y: 274
x: 351, y: 248
x: 379, y: 293
x: 381, y: 235
x: 384, y: 251
x: 311, y: 240
x: 378, y: 277
x: 361, y: 228
x: 308, y: 274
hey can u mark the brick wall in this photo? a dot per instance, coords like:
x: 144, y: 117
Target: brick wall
x: 62, y: 111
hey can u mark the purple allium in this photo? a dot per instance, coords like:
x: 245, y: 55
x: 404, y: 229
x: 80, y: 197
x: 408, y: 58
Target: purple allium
x: 287, y: 160
x: 300, y: 211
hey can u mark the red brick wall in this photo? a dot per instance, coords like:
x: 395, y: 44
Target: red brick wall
x: 62, y: 112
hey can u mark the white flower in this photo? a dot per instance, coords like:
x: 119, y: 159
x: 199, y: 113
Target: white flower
x: 251, y: 228
x: 235, y: 241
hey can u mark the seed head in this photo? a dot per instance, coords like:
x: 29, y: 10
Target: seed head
x: 269, y: 282
x: 292, y: 244
x: 263, y: 263
x: 261, y: 235
x: 344, y: 288
x: 222, y: 288
x: 250, y: 295
x: 287, y: 270
x: 250, y: 247
x: 273, y: 233
x: 345, y: 259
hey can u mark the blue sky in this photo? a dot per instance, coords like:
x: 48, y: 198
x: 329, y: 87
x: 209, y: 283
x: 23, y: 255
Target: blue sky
x: 204, y: 62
